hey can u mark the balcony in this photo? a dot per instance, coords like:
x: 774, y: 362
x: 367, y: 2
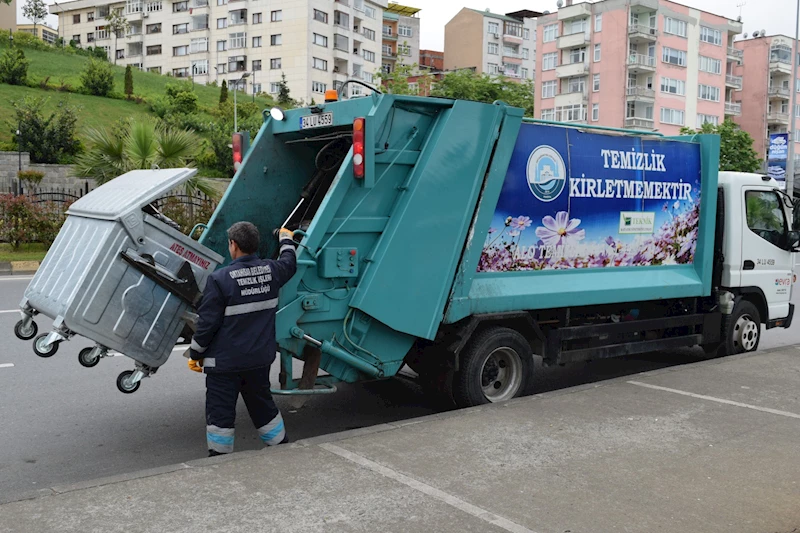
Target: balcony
x: 778, y: 118
x: 637, y: 6
x: 639, y: 123
x: 734, y: 54
x: 134, y: 37
x: 641, y: 63
x: 512, y: 38
x: 640, y: 93
x: 581, y: 10
x: 572, y: 69
x: 513, y: 58
x: 641, y: 33
x: 388, y: 36
x: 572, y: 98
x: 778, y: 65
x: 733, y: 109
x: 735, y: 82
x: 573, y: 40
x: 780, y: 93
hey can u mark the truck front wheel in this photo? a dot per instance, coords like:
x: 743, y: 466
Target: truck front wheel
x: 741, y: 330
x: 497, y: 365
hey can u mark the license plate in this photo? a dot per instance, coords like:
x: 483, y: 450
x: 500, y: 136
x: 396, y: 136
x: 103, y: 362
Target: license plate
x: 316, y: 121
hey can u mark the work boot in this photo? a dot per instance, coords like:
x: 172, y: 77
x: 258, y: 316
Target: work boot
x: 214, y: 453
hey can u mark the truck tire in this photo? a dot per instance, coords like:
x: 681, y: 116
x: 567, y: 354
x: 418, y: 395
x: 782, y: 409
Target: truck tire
x: 741, y: 330
x: 496, y: 366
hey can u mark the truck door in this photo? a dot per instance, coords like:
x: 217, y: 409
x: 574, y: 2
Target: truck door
x: 766, y: 265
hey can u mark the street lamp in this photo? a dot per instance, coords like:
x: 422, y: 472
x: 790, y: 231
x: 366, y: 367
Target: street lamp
x: 11, y: 39
x: 235, y: 90
x: 790, y: 164
x: 19, y: 152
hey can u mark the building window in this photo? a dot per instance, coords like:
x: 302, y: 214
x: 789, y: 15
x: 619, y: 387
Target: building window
x: 274, y: 88
x: 674, y: 57
x: 711, y: 36
x: 550, y: 33
x: 671, y: 86
x: 90, y: 16
x: 671, y: 116
x: 576, y: 26
x: 154, y: 70
x: 153, y: 28
x: 257, y: 19
x: 494, y: 68
x: 711, y: 65
x: 343, y: 19
x: 405, y: 31
x: 275, y: 40
x: 200, y: 68
x: 598, y: 22
x: 548, y: 114
x: 526, y: 34
x: 276, y: 16
x: 275, y: 63
x: 707, y: 92
x: 221, y: 68
x: 181, y: 72
x: 707, y: 119
x: 180, y: 50
x: 549, y: 89
x: 403, y: 50
x: 494, y: 49
x: 222, y: 23
x: 256, y: 88
x: 577, y: 55
x: 180, y: 28
x: 369, y: 34
x: 595, y: 82
x: 571, y: 113
x: 320, y: 40
x: 256, y: 65
x: 222, y: 2
x: 526, y: 54
x: 525, y: 73
x: 198, y: 45
x: 154, y: 50
x: 90, y: 37
x: 317, y: 87
x: 674, y: 26
x: 320, y: 16
x: 76, y: 19
x: 494, y: 28
x: 237, y: 40
x: 238, y: 17
x: 550, y: 61
x: 179, y: 7
x: 222, y: 46
x: 256, y: 42
x: 369, y: 56
x: 319, y: 64
x: 576, y: 85
x: 369, y: 12
x: 595, y: 112
x: 596, y: 53
x: 77, y: 39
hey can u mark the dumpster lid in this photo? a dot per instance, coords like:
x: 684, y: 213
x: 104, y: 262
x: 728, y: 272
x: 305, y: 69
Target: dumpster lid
x: 128, y: 192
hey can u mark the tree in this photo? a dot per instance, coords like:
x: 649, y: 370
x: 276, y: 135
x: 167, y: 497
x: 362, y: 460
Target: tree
x: 140, y: 145
x: 116, y: 23
x: 49, y: 139
x: 128, y: 82
x: 35, y: 10
x: 736, y: 151
x: 398, y: 81
x: 468, y: 85
x: 223, y: 92
x: 13, y: 67
x: 97, y: 78
x: 284, y: 98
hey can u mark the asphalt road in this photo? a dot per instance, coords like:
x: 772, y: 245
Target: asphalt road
x: 62, y: 423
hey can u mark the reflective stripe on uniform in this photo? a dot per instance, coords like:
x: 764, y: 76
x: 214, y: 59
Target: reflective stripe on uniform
x: 274, y: 432
x: 253, y: 307
x: 220, y: 439
x: 288, y: 247
x: 209, y: 362
x: 196, y: 347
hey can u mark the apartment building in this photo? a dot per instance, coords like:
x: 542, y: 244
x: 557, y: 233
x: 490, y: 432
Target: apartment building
x: 491, y: 43
x: 42, y: 31
x: 644, y: 64
x: 431, y: 60
x: 766, y: 91
x: 8, y: 16
x: 317, y: 44
x: 400, y: 37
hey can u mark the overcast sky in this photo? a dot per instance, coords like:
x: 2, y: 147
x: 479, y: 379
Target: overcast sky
x: 775, y: 16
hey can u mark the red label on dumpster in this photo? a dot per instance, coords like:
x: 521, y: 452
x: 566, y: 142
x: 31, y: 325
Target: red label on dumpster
x: 189, y: 256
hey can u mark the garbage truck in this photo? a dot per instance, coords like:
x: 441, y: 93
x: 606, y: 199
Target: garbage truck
x: 462, y: 239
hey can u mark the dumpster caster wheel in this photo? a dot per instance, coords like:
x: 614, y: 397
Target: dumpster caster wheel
x: 124, y: 382
x: 86, y: 358
x: 24, y: 333
x: 41, y: 349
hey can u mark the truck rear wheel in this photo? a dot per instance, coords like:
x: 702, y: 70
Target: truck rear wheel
x: 496, y: 366
x: 741, y: 330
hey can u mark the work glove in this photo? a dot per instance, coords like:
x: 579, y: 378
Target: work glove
x: 285, y: 235
x: 195, y: 365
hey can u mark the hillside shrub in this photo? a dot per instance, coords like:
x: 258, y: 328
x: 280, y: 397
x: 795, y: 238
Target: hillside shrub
x: 49, y: 139
x: 13, y: 67
x: 97, y: 77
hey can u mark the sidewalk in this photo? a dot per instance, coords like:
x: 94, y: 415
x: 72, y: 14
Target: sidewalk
x: 708, y: 447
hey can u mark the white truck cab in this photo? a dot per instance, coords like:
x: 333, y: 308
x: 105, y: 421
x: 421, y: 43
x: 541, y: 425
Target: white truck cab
x: 758, y: 244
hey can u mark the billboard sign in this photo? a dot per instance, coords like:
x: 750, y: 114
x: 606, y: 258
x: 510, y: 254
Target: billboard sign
x: 777, y: 156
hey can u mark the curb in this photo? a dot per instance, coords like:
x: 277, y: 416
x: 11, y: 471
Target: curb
x: 18, y: 267
x: 360, y: 432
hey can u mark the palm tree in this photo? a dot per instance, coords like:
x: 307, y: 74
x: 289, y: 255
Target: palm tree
x: 142, y: 145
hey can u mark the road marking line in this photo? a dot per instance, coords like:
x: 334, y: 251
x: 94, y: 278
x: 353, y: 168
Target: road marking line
x: 16, y: 278
x: 9, y: 311
x: 449, y: 499
x: 718, y: 400
x: 6, y: 365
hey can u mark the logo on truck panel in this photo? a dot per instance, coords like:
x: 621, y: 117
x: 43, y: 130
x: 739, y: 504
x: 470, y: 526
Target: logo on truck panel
x: 547, y: 174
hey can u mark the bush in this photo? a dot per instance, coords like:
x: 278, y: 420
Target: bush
x: 13, y: 67
x: 24, y: 221
x: 128, y: 82
x: 33, y: 177
x: 97, y: 78
x: 48, y: 139
x: 181, y: 98
x: 186, y: 216
x: 23, y: 39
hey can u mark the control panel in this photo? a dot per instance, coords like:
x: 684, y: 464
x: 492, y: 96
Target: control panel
x: 338, y: 263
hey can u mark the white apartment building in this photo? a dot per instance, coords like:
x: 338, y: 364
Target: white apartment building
x: 317, y: 44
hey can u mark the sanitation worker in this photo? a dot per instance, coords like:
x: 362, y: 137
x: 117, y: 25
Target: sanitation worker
x: 234, y: 343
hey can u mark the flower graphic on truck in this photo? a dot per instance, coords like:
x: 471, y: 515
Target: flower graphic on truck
x: 561, y: 230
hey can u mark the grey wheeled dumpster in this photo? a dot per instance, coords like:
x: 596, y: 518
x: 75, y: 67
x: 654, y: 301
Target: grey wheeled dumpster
x: 120, y: 275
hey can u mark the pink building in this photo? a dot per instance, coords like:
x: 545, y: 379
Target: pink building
x: 767, y: 90
x: 644, y: 64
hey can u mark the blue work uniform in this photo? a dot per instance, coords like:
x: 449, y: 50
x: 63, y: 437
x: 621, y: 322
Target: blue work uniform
x: 235, y: 338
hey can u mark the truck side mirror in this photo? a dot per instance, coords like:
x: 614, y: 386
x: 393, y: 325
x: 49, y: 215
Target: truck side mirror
x: 793, y: 241
x: 796, y: 215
